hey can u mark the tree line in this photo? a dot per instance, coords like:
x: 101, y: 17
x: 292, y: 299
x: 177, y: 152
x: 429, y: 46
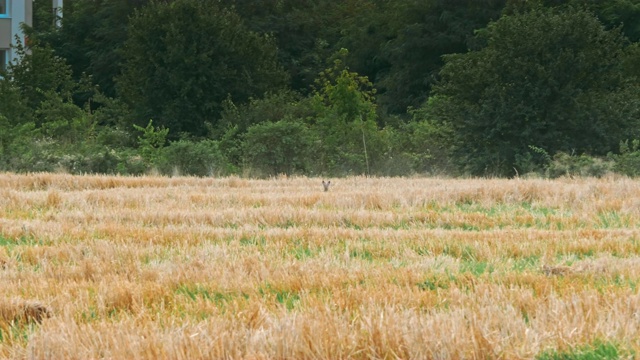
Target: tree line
x: 319, y: 87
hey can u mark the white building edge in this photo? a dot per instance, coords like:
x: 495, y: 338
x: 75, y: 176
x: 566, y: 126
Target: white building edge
x: 14, y: 13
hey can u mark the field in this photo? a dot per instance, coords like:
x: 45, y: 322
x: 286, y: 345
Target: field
x: 99, y: 267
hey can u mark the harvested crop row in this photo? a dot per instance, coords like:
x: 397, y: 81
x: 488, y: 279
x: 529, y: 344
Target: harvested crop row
x: 155, y: 267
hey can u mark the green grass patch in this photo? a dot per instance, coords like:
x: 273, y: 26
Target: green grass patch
x: 437, y: 281
x: 576, y: 255
x: 363, y: 254
x: 17, y: 333
x: 20, y: 241
x: 604, y: 283
x: 196, y: 292
x: 476, y: 268
x: 302, y: 252
x: 597, y: 351
x: 526, y: 263
x: 253, y: 241
x: 423, y: 250
x: 89, y: 315
x: 464, y: 253
x: 612, y: 220
x: 289, y: 299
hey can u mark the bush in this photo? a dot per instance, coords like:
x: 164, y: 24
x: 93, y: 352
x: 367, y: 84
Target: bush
x: 628, y: 161
x: 63, y: 120
x: 32, y: 155
x: 427, y: 143
x: 201, y: 158
x: 273, y: 107
x: 282, y: 147
x: 340, y: 147
x: 151, y: 142
x: 43, y: 154
x: 564, y: 164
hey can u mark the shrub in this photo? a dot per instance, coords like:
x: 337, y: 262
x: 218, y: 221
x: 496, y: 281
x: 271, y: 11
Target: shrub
x: 282, y: 147
x: 348, y: 147
x: 273, y: 107
x: 200, y: 158
x: 63, y: 120
x: 628, y: 161
x: 426, y: 143
x: 151, y: 142
x: 564, y: 164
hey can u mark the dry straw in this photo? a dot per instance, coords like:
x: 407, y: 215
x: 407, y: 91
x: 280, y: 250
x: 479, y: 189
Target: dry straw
x: 201, y: 268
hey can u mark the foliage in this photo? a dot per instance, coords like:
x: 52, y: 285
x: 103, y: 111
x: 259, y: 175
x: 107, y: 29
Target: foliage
x: 184, y: 58
x: 151, y: 142
x: 272, y: 107
x: 628, y: 161
x: 417, y: 92
x: 548, y: 78
x: 38, y: 72
x: 617, y: 13
x: 91, y: 36
x: 63, y: 120
x: 306, y: 32
x: 429, y: 141
x: 423, y: 32
x: 281, y: 147
x: 197, y: 158
x: 564, y: 164
x: 15, y: 143
x: 345, y: 92
x: 350, y: 140
x: 31, y: 152
x: 112, y: 120
x: 15, y: 117
x: 357, y: 147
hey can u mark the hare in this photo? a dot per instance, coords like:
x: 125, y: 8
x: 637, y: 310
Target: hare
x: 326, y: 185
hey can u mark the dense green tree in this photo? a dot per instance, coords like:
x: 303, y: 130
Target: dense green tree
x: 413, y: 36
x: 553, y: 79
x: 38, y: 72
x: 612, y: 13
x: 90, y: 38
x: 15, y: 119
x: 46, y: 86
x: 44, y: 20
x: 281, y: 147
x: 307, y: 32
x: 183, y: 59
x: 350, y: 140
x: 13, y: 105
x: 547, y: 77
x: 42, y: 127
x: 272, y: 107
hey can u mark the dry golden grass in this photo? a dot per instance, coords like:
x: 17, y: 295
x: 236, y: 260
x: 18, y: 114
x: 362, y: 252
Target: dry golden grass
x: 186, y: 268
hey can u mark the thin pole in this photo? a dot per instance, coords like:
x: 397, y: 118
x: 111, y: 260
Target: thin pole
x: 364, y: 143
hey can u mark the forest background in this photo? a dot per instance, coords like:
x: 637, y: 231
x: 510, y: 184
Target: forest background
x: 326, y: 88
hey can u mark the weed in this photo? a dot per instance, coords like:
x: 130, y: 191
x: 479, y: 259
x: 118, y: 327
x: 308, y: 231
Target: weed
x: 597, y: 351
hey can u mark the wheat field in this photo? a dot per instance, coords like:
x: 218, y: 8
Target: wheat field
x: 106, y: 267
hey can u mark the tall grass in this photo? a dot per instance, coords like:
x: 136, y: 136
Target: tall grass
x: 188, y: 268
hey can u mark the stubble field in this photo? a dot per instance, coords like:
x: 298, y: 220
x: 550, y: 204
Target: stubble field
x: 99, y: 267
